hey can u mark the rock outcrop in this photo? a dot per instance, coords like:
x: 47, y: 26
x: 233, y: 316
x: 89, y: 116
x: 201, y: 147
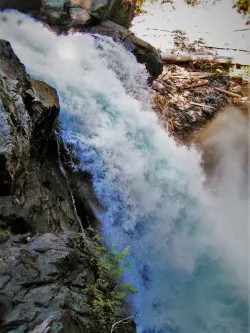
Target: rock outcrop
x: 46, y: 277
x: 44, y: 204
x: 35, y: 190
x: 29, y: 111
x: 106, y: 17
x: 42, y: 277
x: 76, y: 11
x: 143, y: 51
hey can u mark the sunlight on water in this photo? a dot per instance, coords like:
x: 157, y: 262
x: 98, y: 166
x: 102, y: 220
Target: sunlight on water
x: 189, y: 278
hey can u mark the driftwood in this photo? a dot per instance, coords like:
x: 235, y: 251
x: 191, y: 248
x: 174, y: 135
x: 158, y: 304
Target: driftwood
x: 203, y: 76
x: 176, y: 59
x: 226, y: 92
x: 202, y: 105
x: 224, y: 48
x: 188, y: 75
x: 198, y: 84
x: 122, y: 321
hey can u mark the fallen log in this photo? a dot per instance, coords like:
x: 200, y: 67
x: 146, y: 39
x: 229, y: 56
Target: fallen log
x: 176, y: 59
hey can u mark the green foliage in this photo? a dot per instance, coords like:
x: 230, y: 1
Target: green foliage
x: 4, y: 235
x: 108, y: 293
x: 242, y: 6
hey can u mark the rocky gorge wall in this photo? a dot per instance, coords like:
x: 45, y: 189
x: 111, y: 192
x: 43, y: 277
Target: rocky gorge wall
x: 45, y: 208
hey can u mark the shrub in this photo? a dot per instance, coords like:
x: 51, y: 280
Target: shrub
x: 108, y: 293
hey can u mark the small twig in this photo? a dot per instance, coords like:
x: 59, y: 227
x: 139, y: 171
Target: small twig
x: 229, y: 93
x: 203, y: 76
x: 159, y: 30
x: 202, y: 105
x: 166, y: 76
x: 171, y: 123
x: 123, y: 321
x: 247, y: 29
x: 198, y: 84
x: 180, y: 77
x: 224, y: 48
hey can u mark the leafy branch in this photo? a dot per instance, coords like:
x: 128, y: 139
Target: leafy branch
x: 108, y: 293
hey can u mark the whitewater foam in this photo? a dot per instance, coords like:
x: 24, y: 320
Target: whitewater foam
x: 187, y: 277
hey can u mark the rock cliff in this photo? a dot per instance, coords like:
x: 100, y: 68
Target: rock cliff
x: 45, y: 208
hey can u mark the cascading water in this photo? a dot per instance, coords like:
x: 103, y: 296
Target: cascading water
x: 188, y: 279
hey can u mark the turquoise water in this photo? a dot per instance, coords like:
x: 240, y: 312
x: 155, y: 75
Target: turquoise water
x: 190, y: 277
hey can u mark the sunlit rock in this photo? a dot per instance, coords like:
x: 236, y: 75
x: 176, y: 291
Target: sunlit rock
x: 79, y: 16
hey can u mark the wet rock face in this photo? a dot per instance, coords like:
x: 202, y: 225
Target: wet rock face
x: 144, y: 52
x: 35, y: 194
x: 44, y: 276
x: 122, y: 12
x: 76, y: 11
x: 40, y: 276
x: 47, y: 278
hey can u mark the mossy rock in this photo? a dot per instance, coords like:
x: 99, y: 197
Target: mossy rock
x: 4, y: 235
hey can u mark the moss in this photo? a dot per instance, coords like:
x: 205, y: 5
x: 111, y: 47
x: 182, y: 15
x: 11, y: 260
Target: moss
x: 4, y: 235
x: 46, y: 94
x: 243, y: 6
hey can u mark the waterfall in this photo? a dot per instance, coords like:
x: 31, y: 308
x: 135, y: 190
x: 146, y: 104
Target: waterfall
x: 191, y: 276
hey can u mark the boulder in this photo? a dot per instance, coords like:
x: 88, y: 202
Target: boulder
x: 82, y: 11
x: 44, y: 282
x: 122, y: 12
x: 79, y: 16
x: 143, y: 51
x: 42, y: 277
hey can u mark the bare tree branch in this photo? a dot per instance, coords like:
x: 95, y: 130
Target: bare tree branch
x: 122, y: 321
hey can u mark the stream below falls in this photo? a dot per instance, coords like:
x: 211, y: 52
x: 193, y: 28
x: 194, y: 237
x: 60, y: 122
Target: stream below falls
x: 188, y: 246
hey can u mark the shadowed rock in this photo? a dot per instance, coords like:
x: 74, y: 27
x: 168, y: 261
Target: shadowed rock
x: 35, y: 192
x: 43, y: 278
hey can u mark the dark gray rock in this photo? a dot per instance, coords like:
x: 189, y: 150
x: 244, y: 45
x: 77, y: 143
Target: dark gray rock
x: 35, y: 192
x: 143, y: 51
x: 44, y: 279
x: 121, y: 12
x: 47, y: 277
x: 36, y: 283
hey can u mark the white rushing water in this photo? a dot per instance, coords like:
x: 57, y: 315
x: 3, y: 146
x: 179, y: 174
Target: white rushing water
x: 188, y: 251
